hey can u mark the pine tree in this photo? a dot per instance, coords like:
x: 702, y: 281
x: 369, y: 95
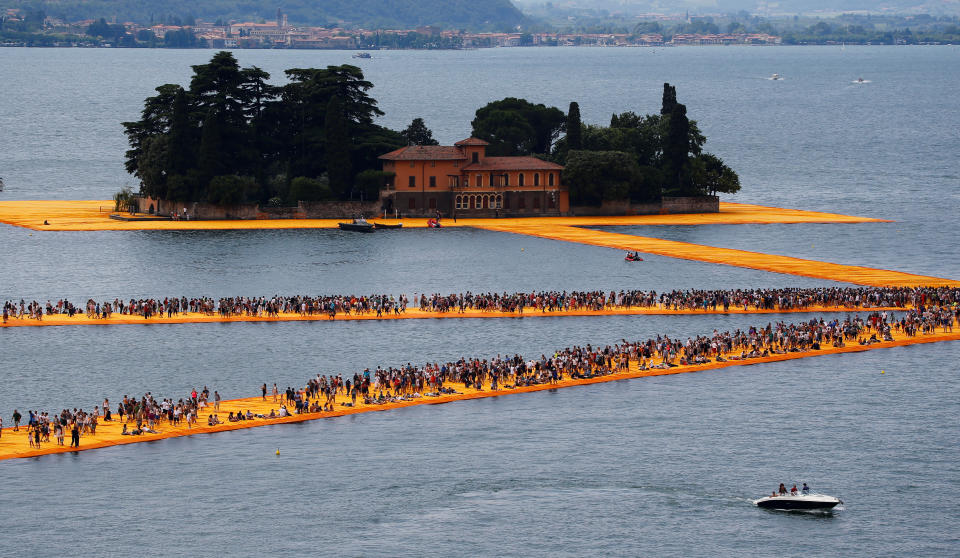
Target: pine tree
x: 417, y: 133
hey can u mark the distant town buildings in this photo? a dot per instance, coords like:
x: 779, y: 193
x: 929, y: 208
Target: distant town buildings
x: 280, y: 34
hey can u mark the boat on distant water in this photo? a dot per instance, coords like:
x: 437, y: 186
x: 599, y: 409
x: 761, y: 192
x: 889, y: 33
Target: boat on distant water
x: 798, y: 502
x: 775, y: 77
x: 357, y: 225
x: 362, y: 55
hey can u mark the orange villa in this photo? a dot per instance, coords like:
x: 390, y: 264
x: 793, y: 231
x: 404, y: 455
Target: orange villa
x: 462, y: 180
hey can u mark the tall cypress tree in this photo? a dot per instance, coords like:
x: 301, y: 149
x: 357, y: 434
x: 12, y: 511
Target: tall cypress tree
x: 337, y: 140
x: 676, y: 150
x: 669, y: 99
x: 574, y: 128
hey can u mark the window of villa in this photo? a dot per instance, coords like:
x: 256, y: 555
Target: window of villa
x: 475, y: 158
x: 433, y: 181
x: 550, y: 177
x: 536, y: 179
x: 433, y: 163
x: 506, y: 179
x: 520, y: 180
x: 412, y: 181
x: 479, y: 181
x: 499, y: 202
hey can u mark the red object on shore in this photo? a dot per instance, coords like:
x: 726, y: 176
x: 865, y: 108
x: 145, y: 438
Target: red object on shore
x: 433, y: 224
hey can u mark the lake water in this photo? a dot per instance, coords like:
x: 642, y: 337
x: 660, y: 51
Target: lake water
x: 660, y: 466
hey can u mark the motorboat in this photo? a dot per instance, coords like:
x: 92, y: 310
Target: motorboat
x: 775, y: 77
x: 799, y: 502
x: 388, y: 225
x: 357, y: 225
x: 362, y: 55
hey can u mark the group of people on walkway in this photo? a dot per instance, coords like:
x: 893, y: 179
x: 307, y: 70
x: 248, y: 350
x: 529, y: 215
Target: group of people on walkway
x: 408, y: 382
x: 785, y: 299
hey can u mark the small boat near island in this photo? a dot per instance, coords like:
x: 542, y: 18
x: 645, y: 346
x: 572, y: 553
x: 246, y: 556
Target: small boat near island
x: 362, y: 55
x: 798, y: 502
x: 633, y: 257
x: 357, y: 225
x: 388, y: 225
x: 775, y: 77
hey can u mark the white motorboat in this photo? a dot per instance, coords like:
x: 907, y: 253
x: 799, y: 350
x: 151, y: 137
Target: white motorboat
x: 799, y: 502
x: 775, y: 77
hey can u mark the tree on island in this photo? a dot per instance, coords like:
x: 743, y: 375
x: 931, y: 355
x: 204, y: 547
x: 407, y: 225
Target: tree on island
x: 574, y: 128
x: 417, y: 133
x: 231, y: 137
x: 666, y: 158
x: 518, y: 127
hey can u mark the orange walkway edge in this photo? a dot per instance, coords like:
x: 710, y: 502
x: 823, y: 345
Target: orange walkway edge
x: 94, y: 215
x: 14, y: 444
x: 414, y: 314
x: 727, y: 256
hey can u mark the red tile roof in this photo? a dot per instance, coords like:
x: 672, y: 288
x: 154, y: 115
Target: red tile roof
x: 425, y: 153
x: 511, y: 163
x: 471, y: 141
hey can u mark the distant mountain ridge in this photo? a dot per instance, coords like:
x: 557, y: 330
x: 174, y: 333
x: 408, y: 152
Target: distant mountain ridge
x: 397, y: 14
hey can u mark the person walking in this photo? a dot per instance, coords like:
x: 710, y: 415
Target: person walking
x: 74, y: 435
x: 16, y: 420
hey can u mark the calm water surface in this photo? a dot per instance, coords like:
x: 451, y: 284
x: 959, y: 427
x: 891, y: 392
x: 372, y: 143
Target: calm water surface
x: 660, y: 466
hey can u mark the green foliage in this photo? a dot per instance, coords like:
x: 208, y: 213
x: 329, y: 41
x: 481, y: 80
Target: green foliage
x: 518, y: 127
x: 417, y: 133
x: 712, y: 176
x: 124, y: 199
x: 231, y: 121
x: 597, y: 176
x: 231, y: 189
x: 310, y: 189
x: 370, y: 182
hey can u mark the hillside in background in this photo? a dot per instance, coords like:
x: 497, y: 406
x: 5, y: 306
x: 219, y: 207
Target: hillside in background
x: 451, y: 14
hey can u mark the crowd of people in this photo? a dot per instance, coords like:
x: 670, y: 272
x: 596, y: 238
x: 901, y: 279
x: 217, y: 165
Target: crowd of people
x: 320, y: 394
x: 785, y: 299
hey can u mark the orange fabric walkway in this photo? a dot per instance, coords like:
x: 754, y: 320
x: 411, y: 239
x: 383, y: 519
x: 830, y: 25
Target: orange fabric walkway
x: 14, y: 444
x: 410, y: 314
x: 94, y: 215
x: 727, y: 256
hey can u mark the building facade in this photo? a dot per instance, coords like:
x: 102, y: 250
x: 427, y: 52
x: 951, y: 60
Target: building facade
x: 461, y: 180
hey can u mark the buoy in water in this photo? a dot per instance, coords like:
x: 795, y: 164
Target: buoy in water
x: 883, y: 371
x: 278, y: 451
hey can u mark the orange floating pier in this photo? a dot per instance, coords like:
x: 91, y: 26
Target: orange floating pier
x: 412, y: 314
x: 14, y: 444
x: 727, y: 256
x: 94, y: 215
